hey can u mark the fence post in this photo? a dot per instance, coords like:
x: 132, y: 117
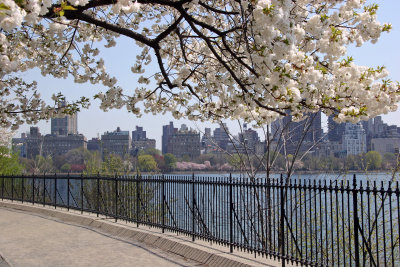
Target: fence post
x: 55, y: 190
x: 230, y: 214
x: 356, y: 223
x: 44, y: 189
x: 81, y: 193
x: 98, y: 195
x: 68, y: 193
x: 163, y: 202
x: 116, y: 197
x: 33, y: 188
x: 193, y: 203
x: 281, y: 238
x: 12, y: 187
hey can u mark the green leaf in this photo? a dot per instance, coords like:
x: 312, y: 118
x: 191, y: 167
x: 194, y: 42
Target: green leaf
x: 61, y: 13
x: 69, y: 8
x: 4, y: 7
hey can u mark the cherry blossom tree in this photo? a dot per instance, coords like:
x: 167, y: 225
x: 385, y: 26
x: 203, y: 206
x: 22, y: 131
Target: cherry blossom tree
x: 253, y: 60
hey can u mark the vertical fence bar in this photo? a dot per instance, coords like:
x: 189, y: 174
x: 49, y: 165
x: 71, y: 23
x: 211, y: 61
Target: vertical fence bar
x: 375, y: 192
x: 44, y: 189
x: 163, y: 202
x: 55, y: 190
x: 68, y: 192
x: 137, y: 200
x: 33, y: 189
x: 98, y: 195
x: 23, y: 188
x: 2, y: 187
x: 12, y: 188
x: 193, y: 203
x: 398, y: 209
x: 81, y: 193
x: 116, y: 197
x: 230, y: 214
x: 383, y: 197
x: 356, y: 223
x: 391, y: 222
x: 281, y: 238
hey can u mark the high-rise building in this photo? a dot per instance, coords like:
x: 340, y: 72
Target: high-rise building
x: 138, y: 134
x: 248, y: 140
x: 140, y: 141
x: 19, y: 145
x: 310, y: 128
x: 207, y: 141
x: 221, y: 137
x: 184, y: 143
x: 335, y: 130
x: 143, y: 144
x: 60, y: 144
x: 386, y: 145
x: 117, y: 142
x: 354, y: 139
x: 369, y: 131
x: 94, y: 144
x: 65, y: 125
x: 314, y: 132
x: 168, y: 131
x: 34, y: 143
x: 291, y: 133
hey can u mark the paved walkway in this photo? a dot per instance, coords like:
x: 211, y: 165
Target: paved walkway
x: 32, y: 235
x: 28, y: 239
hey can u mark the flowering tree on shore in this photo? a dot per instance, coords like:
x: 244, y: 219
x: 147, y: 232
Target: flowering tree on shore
x: 9, y: 163
x: 252, y: 59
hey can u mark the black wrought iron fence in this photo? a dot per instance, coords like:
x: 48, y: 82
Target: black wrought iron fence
x: 308, y: 222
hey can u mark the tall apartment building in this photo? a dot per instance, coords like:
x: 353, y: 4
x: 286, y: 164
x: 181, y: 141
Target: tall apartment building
x: 19, y: 145
x: 64, y: 125
x: 168, y: 131
x: 335, y: 130
x: 117, y: 142
x: 60, y: 144
x: 140, y: 141
x: 221, y: 137
x: 138, y: 134
x: 309, y: 131
x: 94, y: 144
x: 34, y: 143
x: 354, y: 139
x: 144, y: 144
x: 294, y: 131
x: 185, y: 142
x: 249, y: 139
x: 207, y: 141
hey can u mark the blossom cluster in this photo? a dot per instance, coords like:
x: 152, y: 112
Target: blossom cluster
x: 5, y: 138
x: 252, y: 59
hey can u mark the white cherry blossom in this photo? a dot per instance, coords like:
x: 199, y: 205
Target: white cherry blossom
x: 250, y: 60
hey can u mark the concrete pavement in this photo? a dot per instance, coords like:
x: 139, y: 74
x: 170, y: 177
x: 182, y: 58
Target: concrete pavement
x: 3, y: 263
x: 34, y: 240
x: 42, y: 236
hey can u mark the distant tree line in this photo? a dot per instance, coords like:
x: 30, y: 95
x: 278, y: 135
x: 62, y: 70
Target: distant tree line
x: 151, y: 160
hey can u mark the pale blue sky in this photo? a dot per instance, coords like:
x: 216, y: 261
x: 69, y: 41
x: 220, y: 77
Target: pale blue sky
x: 93, y: 121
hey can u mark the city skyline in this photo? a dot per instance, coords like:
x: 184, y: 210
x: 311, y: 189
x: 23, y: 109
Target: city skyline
x: 158, y: 136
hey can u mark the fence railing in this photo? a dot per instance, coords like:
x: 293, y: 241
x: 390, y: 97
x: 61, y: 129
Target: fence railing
x: 308, y: 222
